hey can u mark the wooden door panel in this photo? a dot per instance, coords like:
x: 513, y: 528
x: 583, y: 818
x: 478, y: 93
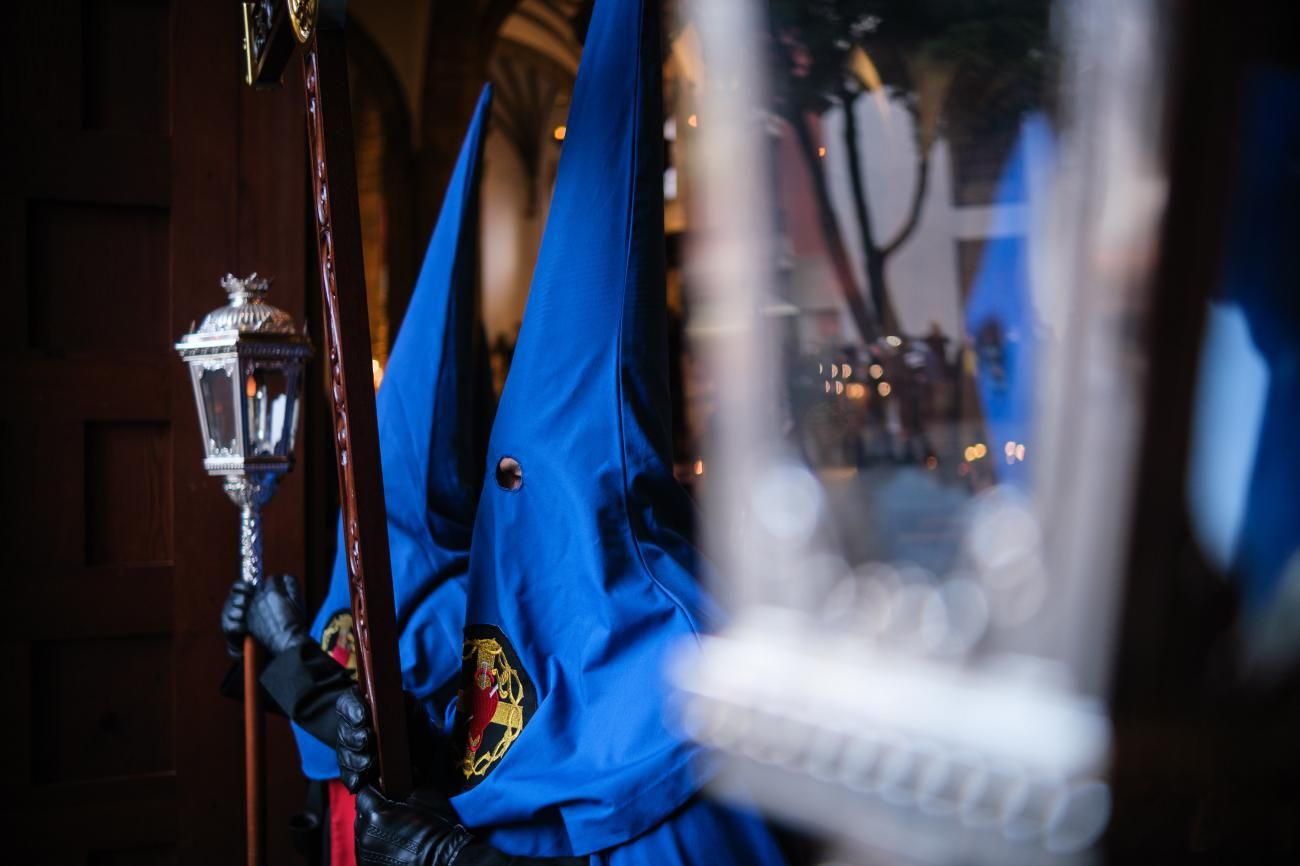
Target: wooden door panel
x: 89, y: 167
x: 46, y: 47
x: 135, y: 170
x: 44, y: 513
x: 104, y: 602
x: 100, y: 388
x: 126, y: 90
x: 97, y: 278
x: 108, y: 830
x: 101, y: 708
x: 88, y: 533
x: 128, y: 493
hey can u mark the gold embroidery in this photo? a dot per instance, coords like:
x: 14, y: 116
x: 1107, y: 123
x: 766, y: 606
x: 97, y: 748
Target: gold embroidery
x: 338, y: 642
x: 492, y: 667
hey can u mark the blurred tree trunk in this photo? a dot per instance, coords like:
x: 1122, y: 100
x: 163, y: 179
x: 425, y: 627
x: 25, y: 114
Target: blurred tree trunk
x: 877, y: 255
x: 863, y: 318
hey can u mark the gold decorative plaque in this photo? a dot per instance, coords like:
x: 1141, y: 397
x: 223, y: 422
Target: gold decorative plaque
x: 302, y: 14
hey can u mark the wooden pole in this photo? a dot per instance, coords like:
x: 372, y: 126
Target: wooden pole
x: 352, y: 398
x: 251, y: 493
x: 253, y: 751
x: 318, y: 26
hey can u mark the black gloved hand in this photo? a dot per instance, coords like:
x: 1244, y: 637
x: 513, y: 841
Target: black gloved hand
x: 234, y: 618
x: 276, y: 616
x: 355, y: 744
x: 423, y: 831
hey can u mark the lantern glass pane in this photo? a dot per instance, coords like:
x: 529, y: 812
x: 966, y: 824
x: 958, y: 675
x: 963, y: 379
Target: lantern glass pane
x: 216, y: 389
x: 294, y: 375
x: 266, y: 407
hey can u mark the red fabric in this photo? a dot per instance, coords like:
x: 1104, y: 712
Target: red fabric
x: 483, y: 704
x: 343, y: 816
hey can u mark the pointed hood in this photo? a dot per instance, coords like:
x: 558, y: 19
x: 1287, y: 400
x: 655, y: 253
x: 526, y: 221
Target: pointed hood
x: 434, y: 408
x: 581, y: 574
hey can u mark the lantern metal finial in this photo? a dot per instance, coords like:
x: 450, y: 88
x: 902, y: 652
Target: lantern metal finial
x: 247, y: 311
x: 244, y: 288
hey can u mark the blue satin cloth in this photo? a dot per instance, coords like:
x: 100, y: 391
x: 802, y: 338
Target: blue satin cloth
x: 434, y: 411
x: 587, y: 569
x: 701, y: 833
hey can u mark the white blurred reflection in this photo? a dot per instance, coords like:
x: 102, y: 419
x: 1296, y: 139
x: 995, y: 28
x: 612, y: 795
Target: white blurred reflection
x: 915, y: 304
x: 788, y: 503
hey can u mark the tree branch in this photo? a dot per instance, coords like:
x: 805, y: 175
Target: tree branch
x: 867, y: 325
x: 875, y: 257
x: 914, y: 213
x: 856, y: 176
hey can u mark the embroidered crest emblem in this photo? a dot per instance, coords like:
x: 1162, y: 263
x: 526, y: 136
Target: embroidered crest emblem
x: 338, y: 642
x: 496, y: 700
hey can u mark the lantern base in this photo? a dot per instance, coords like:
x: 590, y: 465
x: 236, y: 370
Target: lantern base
x: 251, y: 489
x: 233, y: 466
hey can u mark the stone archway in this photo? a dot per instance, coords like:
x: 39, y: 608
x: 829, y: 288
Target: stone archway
x: 461, y: 42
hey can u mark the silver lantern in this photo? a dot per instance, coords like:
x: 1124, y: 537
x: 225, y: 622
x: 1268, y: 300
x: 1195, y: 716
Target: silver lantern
x: 246, y: 361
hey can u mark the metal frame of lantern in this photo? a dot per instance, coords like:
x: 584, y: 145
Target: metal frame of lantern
x: 246, y: 361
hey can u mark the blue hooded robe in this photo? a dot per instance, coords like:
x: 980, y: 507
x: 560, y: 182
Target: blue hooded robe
x: 434, y: 412
x: 582, y: 574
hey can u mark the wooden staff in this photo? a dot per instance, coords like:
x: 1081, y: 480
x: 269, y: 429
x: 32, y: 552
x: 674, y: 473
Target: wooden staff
x: 352, y: 393
x: 255, y: 826
x: 269, y: 32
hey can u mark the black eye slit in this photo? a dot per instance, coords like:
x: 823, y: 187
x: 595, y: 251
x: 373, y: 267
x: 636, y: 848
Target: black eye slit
x: 510, y: 475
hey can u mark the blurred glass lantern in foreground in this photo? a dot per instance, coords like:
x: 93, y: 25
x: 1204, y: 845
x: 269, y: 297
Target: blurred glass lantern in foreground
x: 922, y: 382
x: 246, y: 361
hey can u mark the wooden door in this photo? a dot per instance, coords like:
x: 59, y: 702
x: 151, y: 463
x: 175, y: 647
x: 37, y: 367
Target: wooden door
x: 137, y: 169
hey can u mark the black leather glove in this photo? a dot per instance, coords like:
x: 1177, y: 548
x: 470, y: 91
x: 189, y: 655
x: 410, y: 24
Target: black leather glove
x: 355, y: 744
x: 234, y: 618
x: 276, y: 616
x: 271, y: 610
x: 425, y: 831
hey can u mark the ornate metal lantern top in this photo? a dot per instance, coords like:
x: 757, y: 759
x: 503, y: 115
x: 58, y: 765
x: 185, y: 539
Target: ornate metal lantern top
x: 247, y: 318
x: 246, y: 361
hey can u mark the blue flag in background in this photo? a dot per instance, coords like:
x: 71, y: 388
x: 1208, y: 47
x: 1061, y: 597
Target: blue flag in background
x: 582, y: 575
x: 1001, y: 316
x: 434, y: 412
